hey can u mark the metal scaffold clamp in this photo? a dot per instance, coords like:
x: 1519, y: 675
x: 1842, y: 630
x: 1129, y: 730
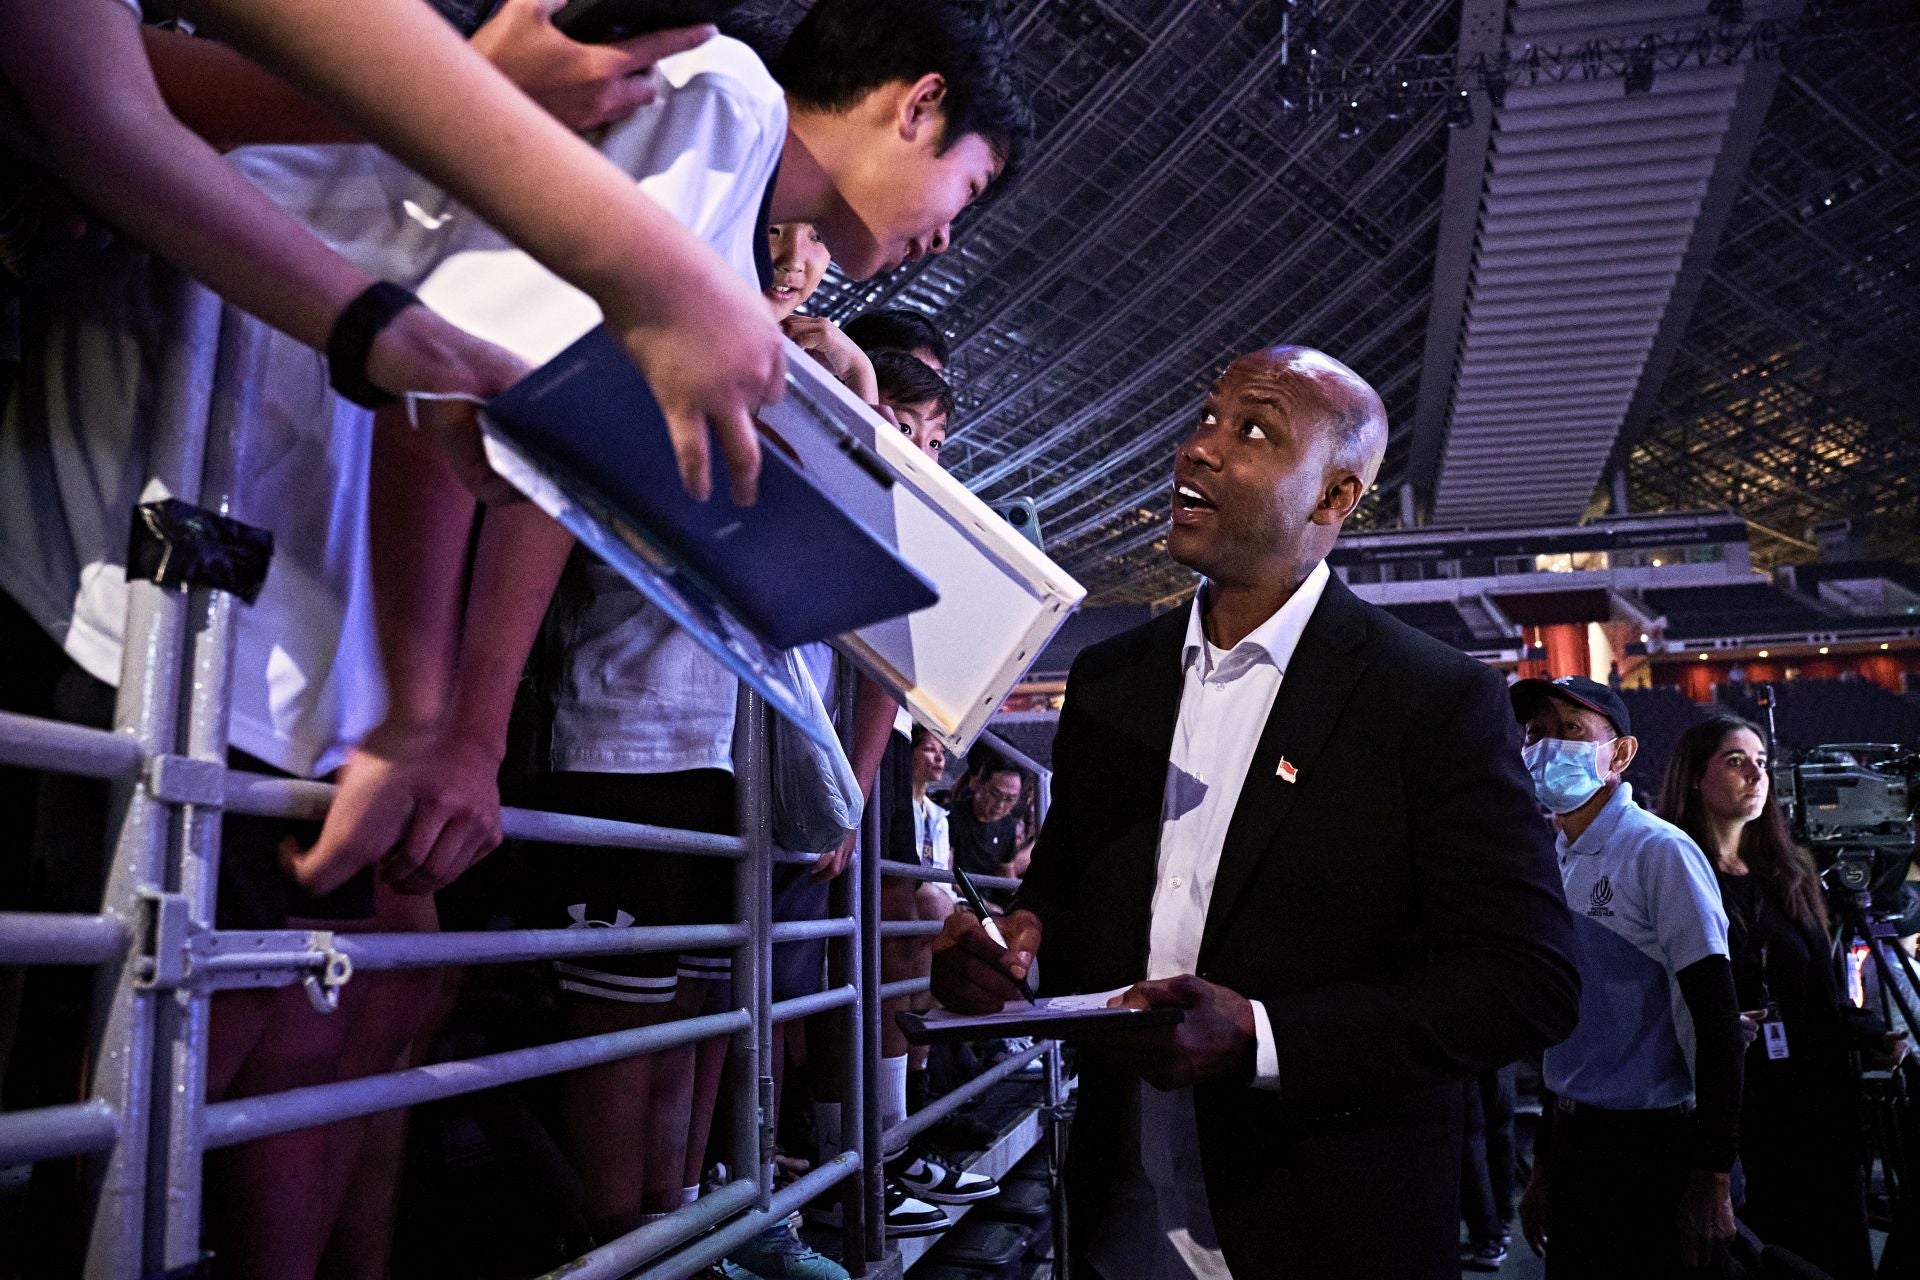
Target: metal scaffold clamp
x: 323, y: 985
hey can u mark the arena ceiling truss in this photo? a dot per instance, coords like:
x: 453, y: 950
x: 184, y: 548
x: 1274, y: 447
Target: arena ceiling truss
x: 1203, y: 183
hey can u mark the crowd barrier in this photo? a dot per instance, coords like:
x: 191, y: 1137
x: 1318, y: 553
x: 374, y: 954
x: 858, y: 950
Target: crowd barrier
x: 148, y: 1124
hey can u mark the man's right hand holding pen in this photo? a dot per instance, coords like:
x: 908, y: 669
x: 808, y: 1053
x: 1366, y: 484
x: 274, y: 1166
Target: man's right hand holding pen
x: 974, y: 974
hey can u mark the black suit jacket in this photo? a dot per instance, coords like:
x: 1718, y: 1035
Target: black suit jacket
x: 1396, y: 907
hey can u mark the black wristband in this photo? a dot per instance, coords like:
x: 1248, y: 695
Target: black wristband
x: 351, y: 341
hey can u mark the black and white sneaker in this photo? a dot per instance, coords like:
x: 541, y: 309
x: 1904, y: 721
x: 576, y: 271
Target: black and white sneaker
x: 1485, y: 1255
x: 910, y: 1216
x: 931, y: 1180
x: 907, y: 1215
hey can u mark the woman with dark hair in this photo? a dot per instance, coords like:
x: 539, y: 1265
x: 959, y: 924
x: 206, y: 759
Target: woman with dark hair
x: 1800, y: 1128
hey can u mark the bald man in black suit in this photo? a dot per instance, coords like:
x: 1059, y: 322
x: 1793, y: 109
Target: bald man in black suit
x: 1307, y: 826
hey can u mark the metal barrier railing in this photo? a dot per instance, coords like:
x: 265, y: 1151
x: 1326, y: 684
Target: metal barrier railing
x: 148, y: 1125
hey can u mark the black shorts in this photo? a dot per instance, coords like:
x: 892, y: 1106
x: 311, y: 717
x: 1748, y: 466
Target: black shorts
x: 569, y: 887
x: 68, y: 858
x: 799, y: 968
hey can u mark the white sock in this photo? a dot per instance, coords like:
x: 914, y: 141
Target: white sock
x: 689, y: 1194
x: 826, y: 1127
x: 893, y: 1091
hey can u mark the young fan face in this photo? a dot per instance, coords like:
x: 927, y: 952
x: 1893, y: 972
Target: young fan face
x: 800, y: 260
x: 929, y: 760
x: 900, y: 192
x: 925, y: 424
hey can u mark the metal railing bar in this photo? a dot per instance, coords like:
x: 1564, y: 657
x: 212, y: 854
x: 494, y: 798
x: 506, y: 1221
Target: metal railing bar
x: 940, y: 1108
x: 618, y: 1257
x: 911, y: 928
x: 244, y: 1119
x: 510, y: 946
x: 710, y: 1249
x: 48, y: 937
x: 266, y: 797
x: 809, y: 930
x: 915, y: 871
x: 818, y: 1002
x: 28, y: 742
x: 51, y: 1133
x: 905, y: 987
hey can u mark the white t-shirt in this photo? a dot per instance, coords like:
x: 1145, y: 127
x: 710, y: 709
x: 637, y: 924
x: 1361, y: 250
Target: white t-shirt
x: 133, y: 344
x: 635, y: 694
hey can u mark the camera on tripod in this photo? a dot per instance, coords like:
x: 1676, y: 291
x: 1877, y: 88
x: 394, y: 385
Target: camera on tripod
x: 1851, y: 804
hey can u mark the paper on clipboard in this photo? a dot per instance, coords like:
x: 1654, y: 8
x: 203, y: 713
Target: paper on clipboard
x: 1069, y: 1017
x: 1001, y: 598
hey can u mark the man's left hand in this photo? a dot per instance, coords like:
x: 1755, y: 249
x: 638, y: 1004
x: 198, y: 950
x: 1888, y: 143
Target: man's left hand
x: 1214, y: 1042
x: 1706, y: 1216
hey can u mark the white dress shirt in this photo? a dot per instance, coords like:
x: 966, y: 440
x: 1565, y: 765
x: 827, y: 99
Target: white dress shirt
x: 1160, y: 1217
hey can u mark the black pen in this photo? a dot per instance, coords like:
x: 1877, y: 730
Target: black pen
x: 979, y: 905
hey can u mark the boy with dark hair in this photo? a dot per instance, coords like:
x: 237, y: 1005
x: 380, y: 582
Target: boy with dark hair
x: 898, y: 329
x: 921, y: 400
x: 879, y: 143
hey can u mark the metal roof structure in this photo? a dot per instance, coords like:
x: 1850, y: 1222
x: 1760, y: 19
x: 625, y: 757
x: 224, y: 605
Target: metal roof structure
x: 1186, y: 201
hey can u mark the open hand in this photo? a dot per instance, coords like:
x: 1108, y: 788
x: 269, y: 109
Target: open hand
x: 974, y: 974
x: 1705, y: 1217
x: 712, y: 356
x: 834, y: 861
x: 1215, y: 1041
x: 583, y: 86
x: 424, y: 806
x: 826, y: 342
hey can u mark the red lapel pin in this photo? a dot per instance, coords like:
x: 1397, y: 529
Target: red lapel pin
x: 1286, y: 770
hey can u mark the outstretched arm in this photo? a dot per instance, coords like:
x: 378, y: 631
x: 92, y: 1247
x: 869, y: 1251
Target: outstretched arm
x: 703, y: 336
x: 421, y: 794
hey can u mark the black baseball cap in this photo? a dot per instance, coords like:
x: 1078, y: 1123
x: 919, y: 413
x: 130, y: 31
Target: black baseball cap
x: 1579, y: 690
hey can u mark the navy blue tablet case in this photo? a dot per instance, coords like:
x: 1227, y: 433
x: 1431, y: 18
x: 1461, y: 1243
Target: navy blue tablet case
x: 795, y: 567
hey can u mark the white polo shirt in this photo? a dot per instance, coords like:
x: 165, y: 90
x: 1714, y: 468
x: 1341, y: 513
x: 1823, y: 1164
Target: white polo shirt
x: 1162, y: 1227
x: 1645, y: 906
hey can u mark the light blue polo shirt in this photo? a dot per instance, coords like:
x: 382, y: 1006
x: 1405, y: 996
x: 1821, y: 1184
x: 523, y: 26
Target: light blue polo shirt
x: 1645, y: 906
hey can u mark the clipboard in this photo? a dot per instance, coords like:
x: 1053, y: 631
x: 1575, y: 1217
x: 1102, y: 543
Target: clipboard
x: 1075, y: 1017
x: 584, y: 439
x: 1000, y: 598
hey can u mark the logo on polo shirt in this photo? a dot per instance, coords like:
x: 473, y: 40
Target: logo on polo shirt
x: 1598, y: 900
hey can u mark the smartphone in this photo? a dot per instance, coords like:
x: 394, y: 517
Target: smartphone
x: 1024, y: 516
x: 605, y: 21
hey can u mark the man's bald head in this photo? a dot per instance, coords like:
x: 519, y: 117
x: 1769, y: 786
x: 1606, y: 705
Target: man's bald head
x: 1324, y: 391
x: 1286, y: 447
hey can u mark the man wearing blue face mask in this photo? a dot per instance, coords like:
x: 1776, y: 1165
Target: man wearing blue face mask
x: 1631, y: 1169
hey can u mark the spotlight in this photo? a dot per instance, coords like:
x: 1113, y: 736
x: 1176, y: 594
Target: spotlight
x: 1394, y: 101
x: 1287, y: 87
x: 1349, y: 126
x: 1763, y: 653
x: 1640, y: 68
x: 1460, y: 110
x: 1824, y: 649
